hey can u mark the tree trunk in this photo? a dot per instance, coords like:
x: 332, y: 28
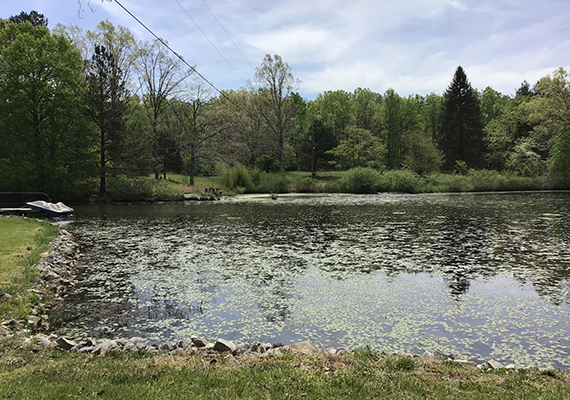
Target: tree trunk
x: 103, y: 182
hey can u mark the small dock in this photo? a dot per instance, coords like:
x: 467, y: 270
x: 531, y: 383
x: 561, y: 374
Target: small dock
x: 18, y: 211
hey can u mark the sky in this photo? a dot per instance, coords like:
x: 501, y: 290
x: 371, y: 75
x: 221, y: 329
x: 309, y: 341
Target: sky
x: 411, y: 46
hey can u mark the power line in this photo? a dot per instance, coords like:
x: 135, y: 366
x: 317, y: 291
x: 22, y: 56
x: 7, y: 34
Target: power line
x: 170, y: 48
x: 212, y: 43
x: 224, y: 29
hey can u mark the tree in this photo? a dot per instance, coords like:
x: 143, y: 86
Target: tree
x: 33, y: 17
x: 359, y: 148
x: 461, y: 123
x: 277, y: 108
x: 107, y: 106
x: 44, y: 140
x: 160, y: 76
x: 422, y: 155
x: 559, y: 161
x: 393, y: 123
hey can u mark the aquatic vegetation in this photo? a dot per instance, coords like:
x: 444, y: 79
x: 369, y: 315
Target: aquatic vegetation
x: 479, y: 276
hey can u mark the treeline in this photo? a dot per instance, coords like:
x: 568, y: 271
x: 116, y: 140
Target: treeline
x: 81, y: 108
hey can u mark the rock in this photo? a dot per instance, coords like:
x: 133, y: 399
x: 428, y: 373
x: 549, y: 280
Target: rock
x: 104, y: 347
x: 43, y: 340
x: 466, y: 363
x: 13, y: 324
x: 198, y: 341
x: 86, y: 349
x: 495, y: 364
x: 65, y: 344
x: 5, y: 296
x: 121, y: 342
x: 34, y: 322
x: 50, y: 275
x: 305, y: 347
x: 511, y: 367
x: 240, y: 349
x: 135, y: 344
x: 485, y: 366
x: 222, y: 346
x: 183, y: 344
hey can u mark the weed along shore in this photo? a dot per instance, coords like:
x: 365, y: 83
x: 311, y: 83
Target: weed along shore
x: 36, y: 364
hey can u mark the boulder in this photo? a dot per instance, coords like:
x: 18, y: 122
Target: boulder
x: 183, y: 344
x: 198, y: 341
x: 65, y: 344
x: 222, y: 346
x: 511, y: 367
x: 104, y: 347
x: 5, y: 296
x: 305, y: 347
x: 495, y: 364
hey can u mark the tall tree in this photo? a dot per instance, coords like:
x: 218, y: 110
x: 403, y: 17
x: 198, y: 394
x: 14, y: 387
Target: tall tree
x: 394, y: 129
x: 277, y: 108
x: 559, y: 161
x: 107, y: 106
x: 43, y: 140
x: 33, y: 17
x: 461, y: 123
x: 161, y: 76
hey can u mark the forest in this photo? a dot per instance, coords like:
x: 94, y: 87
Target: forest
x: 82, y: 112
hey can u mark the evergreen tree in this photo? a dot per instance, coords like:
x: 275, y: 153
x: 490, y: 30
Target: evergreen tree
x: 461, y: 123
x: 107, y: 106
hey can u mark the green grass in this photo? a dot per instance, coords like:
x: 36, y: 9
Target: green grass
x: 27, y: 372
x: 22, y: 240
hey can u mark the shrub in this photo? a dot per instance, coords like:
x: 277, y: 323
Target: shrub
x: 361, y: 180
x: 486, y: 180
x: 455, y: 183
x: 401, y: 181
x: 164, y: 190
x: 121, y: 188
x: 234, y: 176
x: 306, y: 185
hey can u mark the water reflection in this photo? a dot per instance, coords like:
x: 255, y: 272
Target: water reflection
x: 480, y: 275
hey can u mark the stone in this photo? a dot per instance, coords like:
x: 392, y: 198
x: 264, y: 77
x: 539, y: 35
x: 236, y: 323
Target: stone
x: 65, y: 344
x: 222, y: 346
x: 13, y: 324
x: 511, y: 367
x: 136, y: 342
x: 495, y: 364
x: 43, y: 340
x: 183, y: 344
x: 305, y: 347
x: 5, y: 296
x: 34, y: 322
x: 86, y: 349
x: 104, y: 347
x: 485, y: 366
x: 273, y: 352
x: 198, y: 341
x: 121, y: 342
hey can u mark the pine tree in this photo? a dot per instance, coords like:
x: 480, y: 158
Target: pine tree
x: 461, y: 124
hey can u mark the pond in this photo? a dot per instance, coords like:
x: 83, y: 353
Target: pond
x: 476, y: 275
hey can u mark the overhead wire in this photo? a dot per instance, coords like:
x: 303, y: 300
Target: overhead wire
x: 226, y: 32
x: 170, y: 48
x: 207, y: 38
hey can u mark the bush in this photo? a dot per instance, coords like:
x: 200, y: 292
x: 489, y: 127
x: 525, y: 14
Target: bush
x: 272, y: 183
x: 233, y: 177
x: 455, y: 183
x: 401, y: 181
x: 486, y: 180
x: 121, y: 188
x: 361, y: 180
x: 164, y: 190
x: 306, y: 185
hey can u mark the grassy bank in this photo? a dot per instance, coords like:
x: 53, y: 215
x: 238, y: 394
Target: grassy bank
x: 238, y: 179
x: 30, y: 372
x: 22, y: 240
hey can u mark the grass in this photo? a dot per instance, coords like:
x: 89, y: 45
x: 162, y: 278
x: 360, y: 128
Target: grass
x: 22, y: 240
x: 28, y: 372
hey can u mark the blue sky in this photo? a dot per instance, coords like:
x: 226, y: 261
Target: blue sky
x: 412, y: 46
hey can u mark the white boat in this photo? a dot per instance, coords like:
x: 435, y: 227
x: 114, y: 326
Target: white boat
x: 50, y: 208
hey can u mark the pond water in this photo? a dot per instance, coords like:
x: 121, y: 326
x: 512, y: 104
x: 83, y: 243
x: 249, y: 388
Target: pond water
x: 476, y: 275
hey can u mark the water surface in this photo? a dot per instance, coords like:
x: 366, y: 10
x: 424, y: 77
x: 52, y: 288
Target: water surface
x: 477, y: 275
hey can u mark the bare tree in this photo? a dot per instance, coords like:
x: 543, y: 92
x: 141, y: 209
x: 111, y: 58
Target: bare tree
x: 161, y: 76
x: 277, y: 108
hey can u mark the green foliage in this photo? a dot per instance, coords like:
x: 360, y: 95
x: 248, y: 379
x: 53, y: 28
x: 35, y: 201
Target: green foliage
x: 422, y: 155
x: 243, y: 180
x: 404, y: 181
x: 399, y: 363
x: 359, y: 148
x: 361, y: 180
x: 523, y: 161
x: 461, y: 123
x: 559, y: 161
x: 121, y: 188
x: 306, y: 185
x: 234, y: 176
x: 166, y: 191
x: 41, y: 87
